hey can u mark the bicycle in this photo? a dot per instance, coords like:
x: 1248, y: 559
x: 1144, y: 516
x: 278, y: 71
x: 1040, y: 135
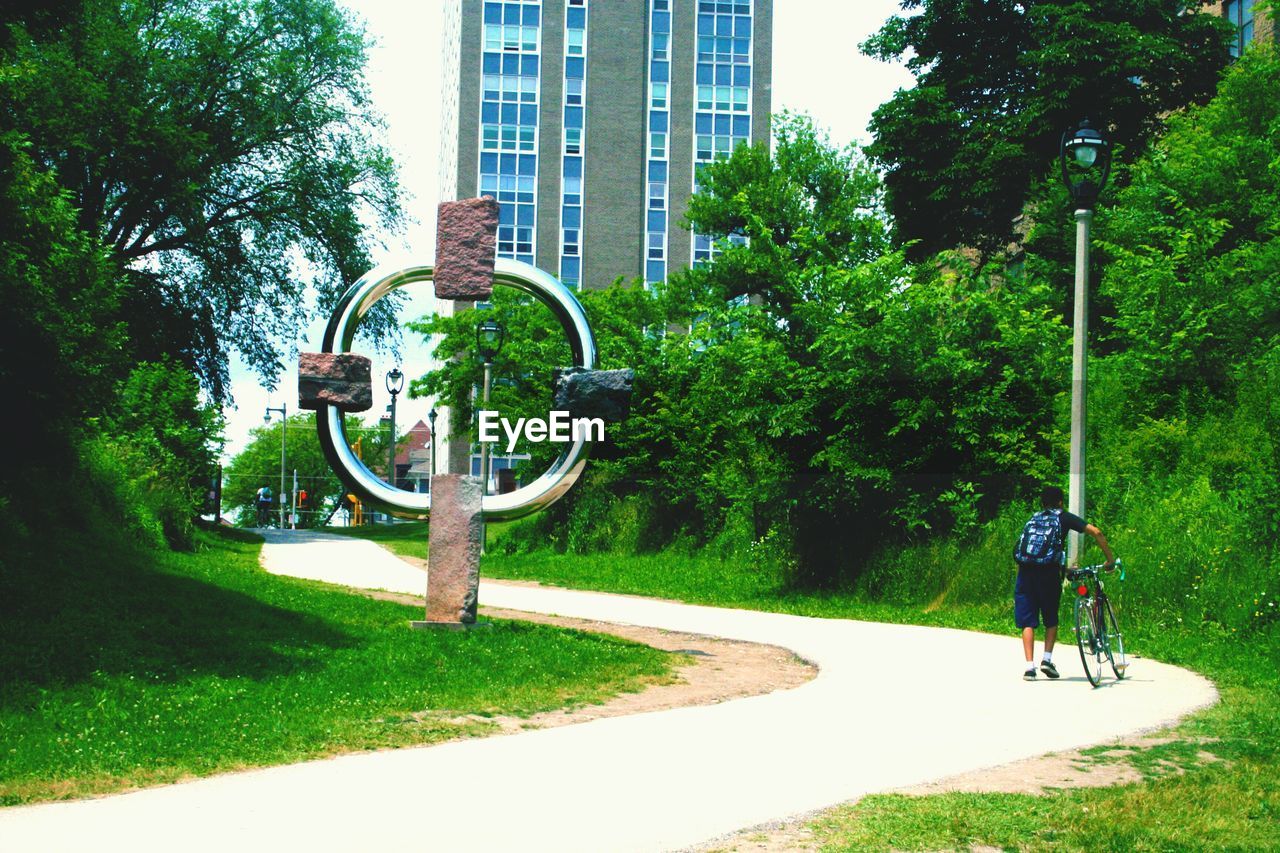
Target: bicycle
x: 1097, y: 631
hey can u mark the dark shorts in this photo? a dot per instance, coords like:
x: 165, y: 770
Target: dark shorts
x: 1037, y: 593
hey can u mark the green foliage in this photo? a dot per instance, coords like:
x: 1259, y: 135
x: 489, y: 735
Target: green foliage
x: 259, y: 465
x: 853, y: 397
x: 208, y: 146
x: 139, y: 492
x: 998, y: 82
x: 1196, y: 277
x: 141, y: 667
x: 58, y: 354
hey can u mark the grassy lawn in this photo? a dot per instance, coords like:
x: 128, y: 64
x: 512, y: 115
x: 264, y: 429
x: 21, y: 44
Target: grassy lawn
x: 1184, y: 804
x: 407, y: 539
x: 122, y: 668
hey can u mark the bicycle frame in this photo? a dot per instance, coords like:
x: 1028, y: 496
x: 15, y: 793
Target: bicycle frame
x: 1097, y: 631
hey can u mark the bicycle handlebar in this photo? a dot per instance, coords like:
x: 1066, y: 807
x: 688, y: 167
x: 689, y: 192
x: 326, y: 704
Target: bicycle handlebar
x: 1100, y: 567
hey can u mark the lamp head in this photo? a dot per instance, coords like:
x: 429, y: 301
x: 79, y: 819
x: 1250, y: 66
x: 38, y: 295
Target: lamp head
x: 489, y: 339
x: 395, y: 381
x: 1085, y: 157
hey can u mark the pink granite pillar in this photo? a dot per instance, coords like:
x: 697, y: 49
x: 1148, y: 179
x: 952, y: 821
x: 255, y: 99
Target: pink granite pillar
x: 453, y: 562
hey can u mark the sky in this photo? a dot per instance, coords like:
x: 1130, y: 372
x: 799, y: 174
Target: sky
x: 817, y: 70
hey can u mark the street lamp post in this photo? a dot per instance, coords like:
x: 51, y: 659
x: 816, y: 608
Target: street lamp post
x: 431, y: 416
x: 284, y: 429
x: 395, y: 384
x: 489, y: 338
x: 1085, y: 157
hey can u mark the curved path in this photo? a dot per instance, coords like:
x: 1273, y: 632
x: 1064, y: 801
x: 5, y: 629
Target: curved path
x: 892, y: 706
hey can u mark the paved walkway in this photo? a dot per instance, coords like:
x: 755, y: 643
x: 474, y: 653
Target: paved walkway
x: 892, y: 706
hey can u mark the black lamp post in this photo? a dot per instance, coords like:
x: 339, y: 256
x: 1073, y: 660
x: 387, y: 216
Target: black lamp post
x: 1085, y: 158
x: 284, y: 429
x: 395, y: 384
x: 489, y: 339
x: 431, y: 416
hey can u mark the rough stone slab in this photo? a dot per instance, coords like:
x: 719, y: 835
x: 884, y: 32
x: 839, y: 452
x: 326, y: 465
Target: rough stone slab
x: 453, y: 560
x: 593, y: 393
x: 466, y: 237
x: 335, y: 379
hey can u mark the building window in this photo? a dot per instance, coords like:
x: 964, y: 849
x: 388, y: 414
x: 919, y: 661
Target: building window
x: 1240, y: 14
x: 575, y: 89
x: 722, y: 92
x: 657, y: 195
x: 509, y: 120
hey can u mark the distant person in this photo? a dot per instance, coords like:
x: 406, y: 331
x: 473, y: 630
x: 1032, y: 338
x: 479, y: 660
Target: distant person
x: 264, y: 506
x: 1037, y: 593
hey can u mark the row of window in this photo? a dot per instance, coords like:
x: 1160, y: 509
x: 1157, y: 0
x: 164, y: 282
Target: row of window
x: 722, y: 92
x: 655, y: 248
x: 724, y: 7
x: 735, y: 98
x: 575, y: 86
x: 503, y: 38
x: 734, y: 26
x: 509, y: 121
x: 724, y: 49
x: 513, y: 12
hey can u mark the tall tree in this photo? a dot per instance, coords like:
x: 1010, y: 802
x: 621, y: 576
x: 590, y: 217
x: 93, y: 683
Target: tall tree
x: 259, y: 465
x: 216, y: 149
x: 997, y: 82
x: 853, y: 396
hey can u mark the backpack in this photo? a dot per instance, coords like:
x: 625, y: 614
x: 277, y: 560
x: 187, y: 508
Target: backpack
x: 1041, y: 541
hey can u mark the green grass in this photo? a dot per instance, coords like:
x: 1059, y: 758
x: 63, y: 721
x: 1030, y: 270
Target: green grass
x: 406, y: 539
x: 127, y: 667
x: 1230, y: 804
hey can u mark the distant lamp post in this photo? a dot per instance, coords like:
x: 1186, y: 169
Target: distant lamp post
x: 1085, y: 157
x: 395, y: 384
x: 489, y: 339
x: 431, y: 416
x: 284, y: 429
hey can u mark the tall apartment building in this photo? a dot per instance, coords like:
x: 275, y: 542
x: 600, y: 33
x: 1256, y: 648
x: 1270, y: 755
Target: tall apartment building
x: 587, y: 119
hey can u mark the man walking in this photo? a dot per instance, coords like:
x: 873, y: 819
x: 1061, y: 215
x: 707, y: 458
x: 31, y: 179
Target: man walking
x: 1037, y: 593
x: 264, y: 506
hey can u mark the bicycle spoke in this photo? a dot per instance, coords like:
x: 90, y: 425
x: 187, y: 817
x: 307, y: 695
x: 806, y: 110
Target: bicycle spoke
x: 1087, y: 640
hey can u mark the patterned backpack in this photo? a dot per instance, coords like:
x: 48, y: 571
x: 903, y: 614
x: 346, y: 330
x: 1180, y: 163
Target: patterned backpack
x: 1041, y: 540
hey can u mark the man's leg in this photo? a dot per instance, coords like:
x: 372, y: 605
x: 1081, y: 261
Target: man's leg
x: 1029, y: 646
x: 1050, y: 637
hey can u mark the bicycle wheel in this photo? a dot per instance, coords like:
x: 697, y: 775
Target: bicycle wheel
x: 1087, y: 640
x: 1115, y: 642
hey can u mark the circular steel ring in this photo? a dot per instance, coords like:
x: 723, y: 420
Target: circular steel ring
x: 341, y: 331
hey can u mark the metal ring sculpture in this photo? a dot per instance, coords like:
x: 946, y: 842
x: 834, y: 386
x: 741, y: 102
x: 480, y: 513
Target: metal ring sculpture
x: 340, y: 333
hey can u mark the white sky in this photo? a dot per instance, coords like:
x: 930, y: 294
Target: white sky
x: 817, y: 69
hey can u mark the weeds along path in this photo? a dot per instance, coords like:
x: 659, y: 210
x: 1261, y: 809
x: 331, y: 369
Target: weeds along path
x: 891, y: 706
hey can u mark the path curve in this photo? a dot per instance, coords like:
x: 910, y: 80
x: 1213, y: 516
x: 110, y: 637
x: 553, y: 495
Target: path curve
x: 892, y: 706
